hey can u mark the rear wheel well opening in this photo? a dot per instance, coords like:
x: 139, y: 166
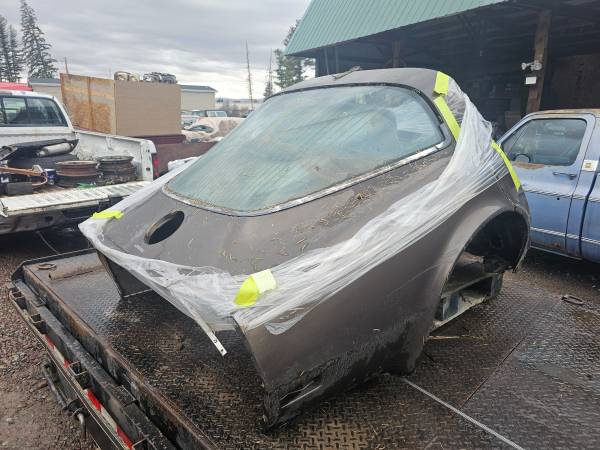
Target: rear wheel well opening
x: 500, y: 242
x: 477, y: 273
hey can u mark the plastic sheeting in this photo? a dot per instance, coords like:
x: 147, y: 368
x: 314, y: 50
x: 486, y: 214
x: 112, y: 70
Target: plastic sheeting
x: 207, y: 293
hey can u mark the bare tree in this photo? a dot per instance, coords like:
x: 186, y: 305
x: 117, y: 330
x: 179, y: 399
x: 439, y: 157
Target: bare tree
x: 249, y: 77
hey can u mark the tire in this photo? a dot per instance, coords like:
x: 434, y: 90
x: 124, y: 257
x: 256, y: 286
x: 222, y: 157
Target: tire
x: 46, y: 162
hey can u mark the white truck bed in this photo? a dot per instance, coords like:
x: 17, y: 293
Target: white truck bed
x: 52, y: 206
x: 55, y: 197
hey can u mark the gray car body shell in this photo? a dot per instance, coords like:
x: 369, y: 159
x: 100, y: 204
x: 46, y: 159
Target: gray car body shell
x: 377, y: 323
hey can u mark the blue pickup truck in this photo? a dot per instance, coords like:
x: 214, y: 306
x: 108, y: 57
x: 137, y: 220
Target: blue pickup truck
x: 556, y: 155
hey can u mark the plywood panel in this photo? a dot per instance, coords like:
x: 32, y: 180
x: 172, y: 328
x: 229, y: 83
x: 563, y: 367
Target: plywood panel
x: 90, y: 102
x: 144, y: 109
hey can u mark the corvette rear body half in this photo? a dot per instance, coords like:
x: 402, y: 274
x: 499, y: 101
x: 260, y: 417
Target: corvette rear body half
x: 333, y: 229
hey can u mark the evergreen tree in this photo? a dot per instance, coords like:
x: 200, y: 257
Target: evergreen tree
x: 290, y: 69
x: 16, y: 60
x: 269, y: 81
x: 5, y: 69
x: 36, y: 51
x: 268, y: 89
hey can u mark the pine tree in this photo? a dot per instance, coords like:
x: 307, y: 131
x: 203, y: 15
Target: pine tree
x: 16, y: 61
x: 10, y: 56
x: 36, y: 51
x: 269, y: 82
x: 5, y: 69
x: 290, y: 69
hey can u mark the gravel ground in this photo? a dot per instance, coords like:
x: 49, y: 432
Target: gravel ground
x: 30, y: 418
x: 29, y: 415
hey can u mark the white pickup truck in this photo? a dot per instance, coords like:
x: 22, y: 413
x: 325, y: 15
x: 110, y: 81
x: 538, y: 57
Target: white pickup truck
x: 31, y: 116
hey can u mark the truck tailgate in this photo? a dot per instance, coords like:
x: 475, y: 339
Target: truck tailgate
x: 197, y: 398
x: 61, y: 198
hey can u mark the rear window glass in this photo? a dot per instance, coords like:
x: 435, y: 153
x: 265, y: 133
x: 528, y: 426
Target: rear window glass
x: 204, y: 128
x: 216, y: 114
x: 15, y: 110
x: 25, y: 111
x: 300, y: 143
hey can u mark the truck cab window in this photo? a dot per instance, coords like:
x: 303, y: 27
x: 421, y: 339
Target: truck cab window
x: 21, y: 111
x: 15, y: 111
x: 552, y: 142
x: 43, y: 111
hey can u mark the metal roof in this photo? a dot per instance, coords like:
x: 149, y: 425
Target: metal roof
x: 196, y: 88
x: 43, y: 81
x: 328, y: 22
x: 184, y: 87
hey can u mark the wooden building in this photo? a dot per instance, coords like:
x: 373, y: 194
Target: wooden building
x: 510, y: 56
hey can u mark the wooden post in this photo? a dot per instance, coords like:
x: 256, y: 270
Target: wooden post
x: 337, y: 60
x: 396, y: 48
x: 90, y: 104
x: 542, y: 37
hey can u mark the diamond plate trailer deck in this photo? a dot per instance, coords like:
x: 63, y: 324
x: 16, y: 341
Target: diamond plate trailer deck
x: 526, y: 364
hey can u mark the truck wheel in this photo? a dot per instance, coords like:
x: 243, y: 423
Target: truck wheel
x: 46, y: 162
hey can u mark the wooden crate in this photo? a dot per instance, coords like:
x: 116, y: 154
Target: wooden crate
x: 126, y: 108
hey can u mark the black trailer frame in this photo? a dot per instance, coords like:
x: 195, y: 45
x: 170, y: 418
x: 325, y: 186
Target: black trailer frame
x: 486, y: 380
x: 73, y: 374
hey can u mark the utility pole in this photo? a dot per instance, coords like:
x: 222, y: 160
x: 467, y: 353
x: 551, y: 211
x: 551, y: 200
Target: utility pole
x: 249, y: 77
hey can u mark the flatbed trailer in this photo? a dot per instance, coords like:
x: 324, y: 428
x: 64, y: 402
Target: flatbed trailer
x: 519, y: 371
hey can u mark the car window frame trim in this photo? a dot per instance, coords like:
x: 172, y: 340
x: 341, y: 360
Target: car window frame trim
x: 447, y: 141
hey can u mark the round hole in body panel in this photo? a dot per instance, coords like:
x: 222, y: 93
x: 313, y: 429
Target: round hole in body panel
x: 164, y: 227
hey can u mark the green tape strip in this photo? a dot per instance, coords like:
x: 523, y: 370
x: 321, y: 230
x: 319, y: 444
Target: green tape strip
x: 253, y: 286
x: 448, y: 116
x: 107, y: 214
x: 442, y: 83
x: 510, y: 167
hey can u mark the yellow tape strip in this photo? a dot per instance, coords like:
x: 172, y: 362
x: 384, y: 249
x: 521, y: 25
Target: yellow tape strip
x: 442, y: 83
x: 510, y: 167
x: 253, y: 286
x: 448, y: 116
x: 112, y: 214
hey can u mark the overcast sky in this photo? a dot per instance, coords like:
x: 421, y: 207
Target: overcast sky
x: 200, y: 41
